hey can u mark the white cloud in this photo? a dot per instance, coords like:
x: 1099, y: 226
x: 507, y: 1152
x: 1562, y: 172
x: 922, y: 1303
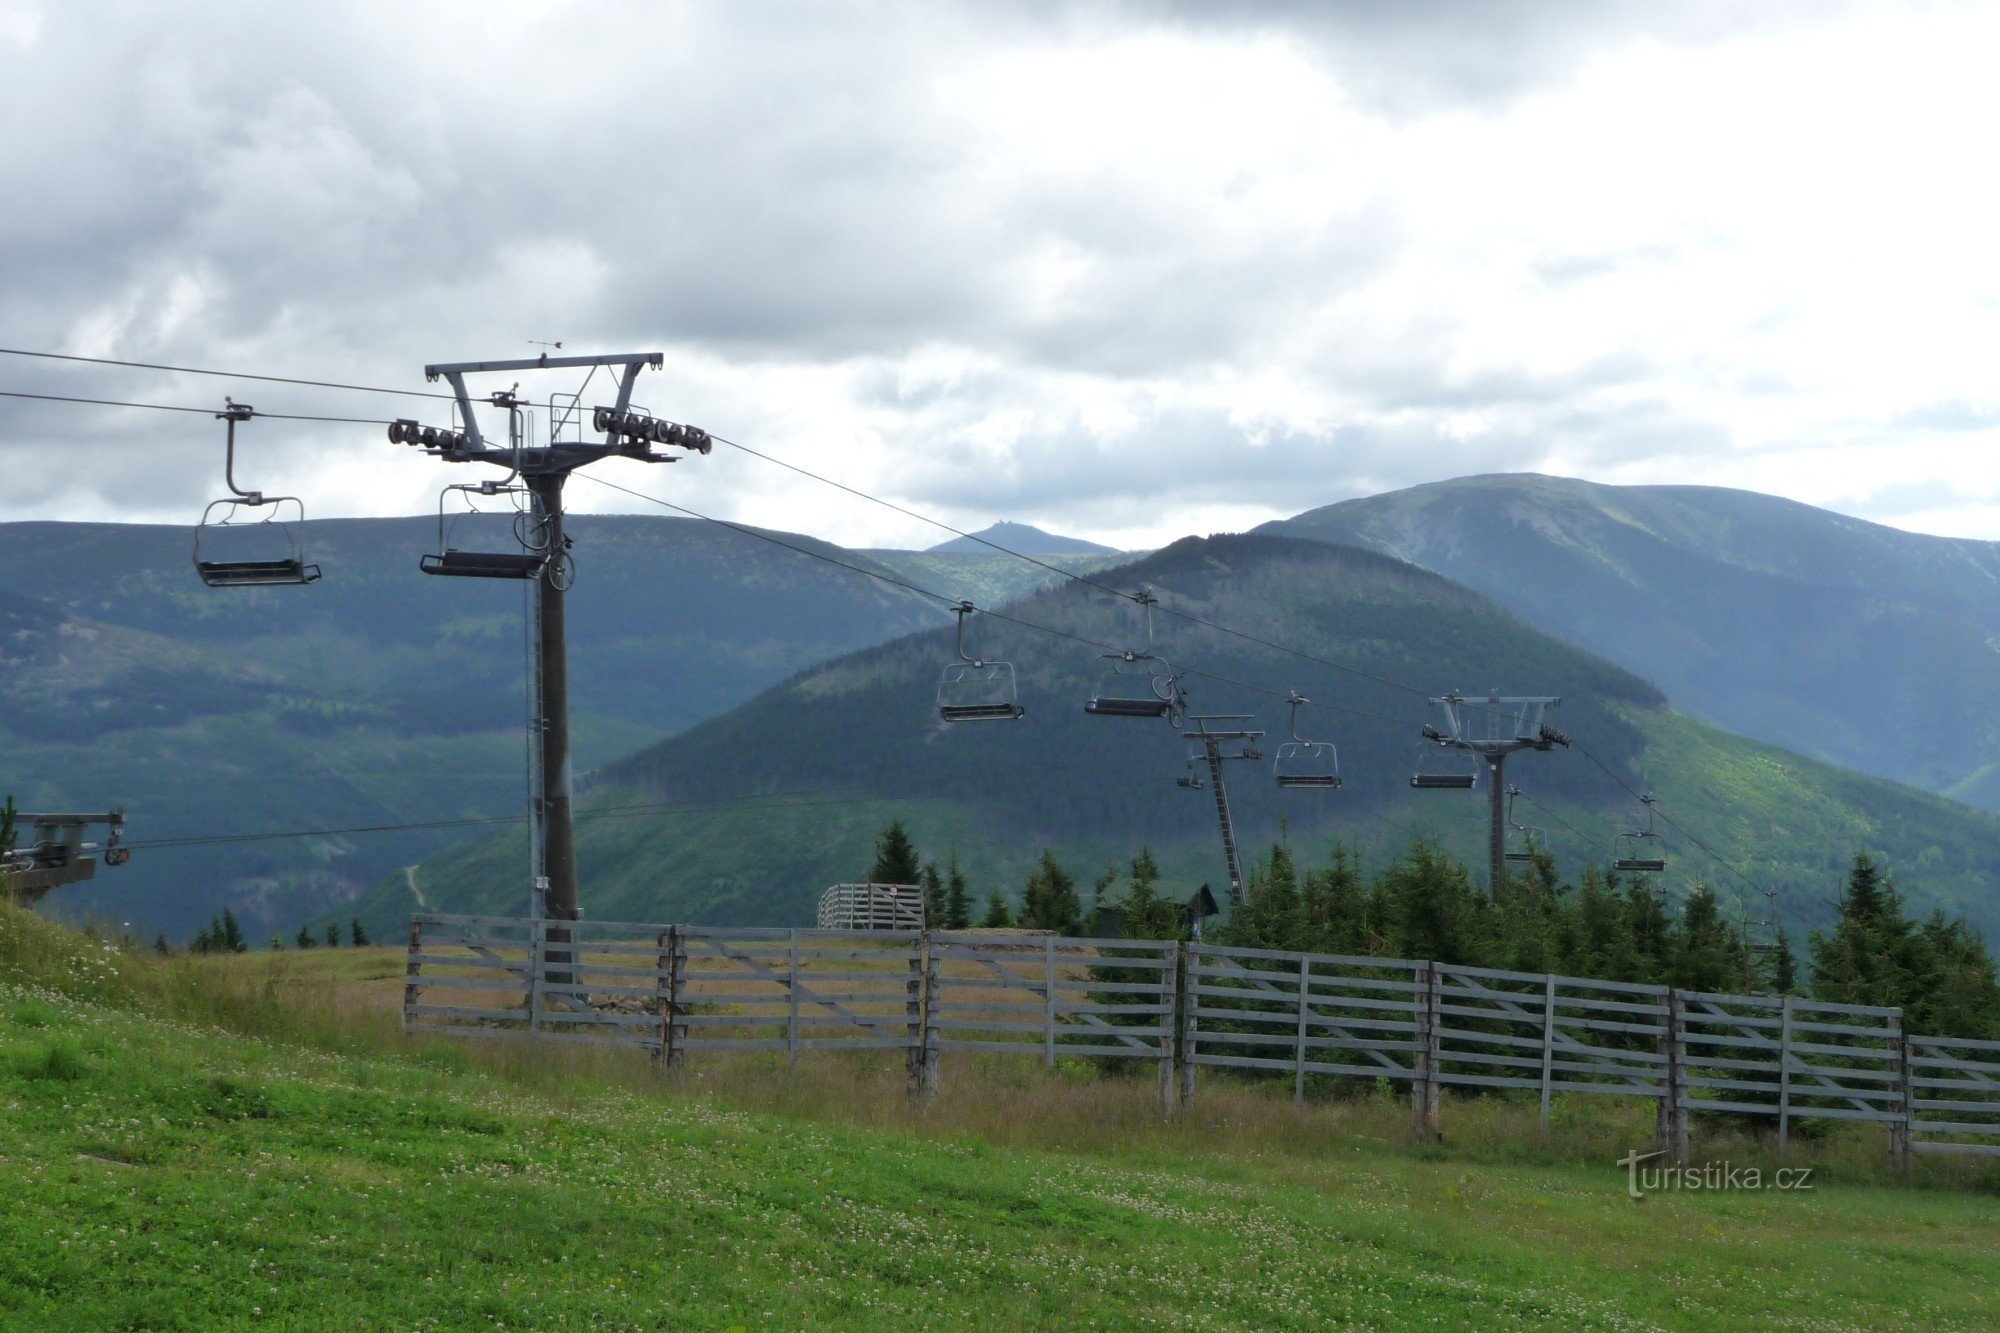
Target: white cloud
x: 1129, y: 272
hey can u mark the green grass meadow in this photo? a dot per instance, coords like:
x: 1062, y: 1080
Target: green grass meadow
x: 203, y: 1143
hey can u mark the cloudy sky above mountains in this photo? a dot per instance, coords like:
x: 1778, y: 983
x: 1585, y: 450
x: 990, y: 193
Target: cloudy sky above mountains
x: 1125, y: 270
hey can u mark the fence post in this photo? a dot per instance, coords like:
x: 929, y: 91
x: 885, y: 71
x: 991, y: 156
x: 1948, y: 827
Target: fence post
x: 412, y: 987
x: 1548, y: 1044
x: 1902, y: 1130
x: 792, y: 994
x: 1424, y: 1088
x: 1170, y: 986
x: 1673, y: 1132
x: 931, y: 1035
x: 1049, y: 997
x: 678, y: 1007
x: 1785, y: 1080
x: 913, y: 1014
x: 1299, y: 1042
x: 537, y: 963
x: 663, y: 1000
x: 1188, y: 977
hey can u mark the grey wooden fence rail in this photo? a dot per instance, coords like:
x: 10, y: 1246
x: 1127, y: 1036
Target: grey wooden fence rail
x: 672, y: 990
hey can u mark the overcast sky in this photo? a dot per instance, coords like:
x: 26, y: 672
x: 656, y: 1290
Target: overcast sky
x: 1127, y: 271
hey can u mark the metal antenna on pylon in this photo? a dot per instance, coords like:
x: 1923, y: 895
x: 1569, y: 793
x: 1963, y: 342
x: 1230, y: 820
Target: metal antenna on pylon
x: 622, y: 431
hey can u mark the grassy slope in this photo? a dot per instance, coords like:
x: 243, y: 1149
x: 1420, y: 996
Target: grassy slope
x: 168, y: 1174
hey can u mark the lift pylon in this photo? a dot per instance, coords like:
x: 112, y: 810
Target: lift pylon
x: 1489, y: 730
x: 1205, y: 746
x: 618, y: 430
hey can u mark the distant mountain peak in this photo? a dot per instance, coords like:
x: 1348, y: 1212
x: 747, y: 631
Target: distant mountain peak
x: 1022, y: 537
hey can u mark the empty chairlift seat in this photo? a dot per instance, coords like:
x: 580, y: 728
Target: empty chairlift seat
x: 1137, y: 685
x: 485, y: 564
x: 242, y: 541
x: 1303, y: 764
x: 973, y: 689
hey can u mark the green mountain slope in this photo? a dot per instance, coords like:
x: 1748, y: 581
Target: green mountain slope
x: 862, y: 731
x: 376, y: 696
x: 1863, y: 645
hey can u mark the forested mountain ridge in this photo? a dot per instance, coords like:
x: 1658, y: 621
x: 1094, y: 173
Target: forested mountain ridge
x: 1860, y: 644
x: 376, y: 696
x: 862, y: 732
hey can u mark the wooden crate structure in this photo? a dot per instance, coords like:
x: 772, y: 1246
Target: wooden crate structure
x: 897, y: 907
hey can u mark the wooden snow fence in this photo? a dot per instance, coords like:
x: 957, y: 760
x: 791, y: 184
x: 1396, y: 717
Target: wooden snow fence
x: 1306, y: 1017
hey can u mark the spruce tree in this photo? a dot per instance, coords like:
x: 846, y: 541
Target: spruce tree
x: 1432, y: 908
x: 1148, y: 915
x: 957, y: 896
x: 333, y: 934
x: 1784, y: 966
x: 1049, y: 901
x: 356, y: 934
x: 1868, y: 959
x: 997, y: 916
x: 161, y: 947
x: 305, y: 937
x: 932, y: 885
x: 895, y: 856
x: 230, y: 935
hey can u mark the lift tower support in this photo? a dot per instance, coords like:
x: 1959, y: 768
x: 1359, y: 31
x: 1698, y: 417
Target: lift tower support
x: 1211, y: 740
x: 1492, y: 729
x: 544, y: 468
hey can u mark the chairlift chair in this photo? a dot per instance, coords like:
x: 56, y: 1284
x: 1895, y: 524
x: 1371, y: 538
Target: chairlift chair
x: 1530, y: 841
x: 1441, y: 774
x: 1641, y: 850
x: 284, y: 566
x: 529, y: 533
x: 1302, y: 763
x: 973, y: 689
x: 1138, y: 684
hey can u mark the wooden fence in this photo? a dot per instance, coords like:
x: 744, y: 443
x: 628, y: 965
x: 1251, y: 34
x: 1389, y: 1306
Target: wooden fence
x: 672, y: 990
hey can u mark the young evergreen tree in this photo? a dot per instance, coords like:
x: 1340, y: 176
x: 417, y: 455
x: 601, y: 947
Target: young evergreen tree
x: 161, y: 947
x: 305, y: 937
x: 1868, y: 959
x: 356, y: 934
x: 1782, y: 971
x: 333, y: 934
x: 932, y: 885
x: 997, y: 917
x: 1149, y: 915
x: 1049, y: 902
x: 230, y: 934
x: 957, y: 896
x: 1707, y: 955
x: 895, y: 856
x: 1336, y: 909
x: 1432, y: 910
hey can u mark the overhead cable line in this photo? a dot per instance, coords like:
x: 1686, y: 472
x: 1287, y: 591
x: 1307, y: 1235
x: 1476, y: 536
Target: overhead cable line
x: 954, y: 601
x: 219, y: 374
x: 1187, y: 616
x: 1669, y: 821
x: 176, y: 407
